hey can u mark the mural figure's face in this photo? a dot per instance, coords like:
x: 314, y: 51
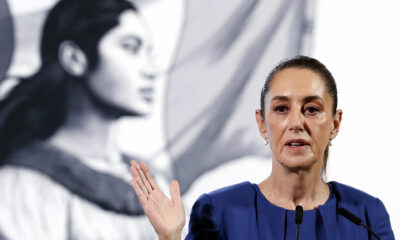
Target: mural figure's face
x: 124, y: 75
x: 298, y: 118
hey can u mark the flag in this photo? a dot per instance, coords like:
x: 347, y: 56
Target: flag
x: 225, y: 54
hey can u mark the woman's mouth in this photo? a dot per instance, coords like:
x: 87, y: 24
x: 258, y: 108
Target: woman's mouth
x: 297, y: 144
x: 147, y: 94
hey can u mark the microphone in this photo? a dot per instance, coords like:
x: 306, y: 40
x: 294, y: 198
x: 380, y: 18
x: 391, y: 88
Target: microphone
x: 298, y: 219
x: 353, y: 218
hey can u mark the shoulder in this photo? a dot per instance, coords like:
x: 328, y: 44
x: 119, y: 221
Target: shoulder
x: 207, y: 213
x: 27, y: 181
x: 241, y: 193
x: 356, y: 200
x: 230, y: 197
x: 362, y: 204
x: 26, y: 189
x: 232, y: 190
x: 352, y: 196
x: 30, y: 202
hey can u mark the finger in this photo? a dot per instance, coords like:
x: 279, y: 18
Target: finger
x: 153, y: 183
x: 139, y: 193
x: 139, y: 181
x: 133, y: 162
x: 145, y: 181
x: 137, y: 174
x: 143, y: 166
x: 148, y: 175
x: 132, y: 170
x: 175, y: 192
x: 134, y: 165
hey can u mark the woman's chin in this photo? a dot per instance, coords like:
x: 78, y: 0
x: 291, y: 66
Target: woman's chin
x: 136, y: 110
x: 298, y: 162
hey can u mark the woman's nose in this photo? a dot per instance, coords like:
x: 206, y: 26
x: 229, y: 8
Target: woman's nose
x: 151, y: 71
x: 150, y: 75
x: 296, y: 121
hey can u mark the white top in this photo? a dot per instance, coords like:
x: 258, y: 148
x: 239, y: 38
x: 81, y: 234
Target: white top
x: 33, y: 206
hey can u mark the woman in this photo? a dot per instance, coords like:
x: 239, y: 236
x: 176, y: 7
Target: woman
x: 61, y: 177
x: 298, y: 119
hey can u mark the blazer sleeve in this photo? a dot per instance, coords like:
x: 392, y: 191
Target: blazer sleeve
x: 382, y: 226
x: 203, y: 223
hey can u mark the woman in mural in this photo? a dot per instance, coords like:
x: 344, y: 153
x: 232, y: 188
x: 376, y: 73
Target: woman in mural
x: 60, y: 175
x: 298, y: 119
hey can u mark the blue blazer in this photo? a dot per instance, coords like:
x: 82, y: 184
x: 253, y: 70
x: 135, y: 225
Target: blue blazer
x: 242, y: 212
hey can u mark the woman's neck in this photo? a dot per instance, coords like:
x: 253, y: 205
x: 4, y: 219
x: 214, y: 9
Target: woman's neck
x: 86, y: 132
x: 287, y: 189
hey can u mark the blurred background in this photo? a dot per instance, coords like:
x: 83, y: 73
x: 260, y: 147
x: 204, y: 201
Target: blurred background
x: 358, y: 41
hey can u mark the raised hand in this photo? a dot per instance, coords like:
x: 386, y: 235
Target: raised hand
x: 167, y: 216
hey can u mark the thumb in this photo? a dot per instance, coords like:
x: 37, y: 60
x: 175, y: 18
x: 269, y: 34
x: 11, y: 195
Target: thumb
x: 175, y: 192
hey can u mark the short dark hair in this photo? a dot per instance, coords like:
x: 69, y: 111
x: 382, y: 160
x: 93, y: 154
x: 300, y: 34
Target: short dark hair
x: 312, y: 64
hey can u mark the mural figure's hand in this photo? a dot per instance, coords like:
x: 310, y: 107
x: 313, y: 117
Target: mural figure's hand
x: 167, y: 216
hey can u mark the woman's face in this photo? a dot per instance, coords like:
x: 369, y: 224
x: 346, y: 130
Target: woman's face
x: 123, y: 77
x: 298, y: 118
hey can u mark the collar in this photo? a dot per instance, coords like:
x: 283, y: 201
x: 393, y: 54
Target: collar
x: 106, y: 191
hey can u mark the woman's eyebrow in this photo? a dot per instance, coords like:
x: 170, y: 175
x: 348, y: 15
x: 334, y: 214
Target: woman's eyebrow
x: 313, y: 97
x: 305, y: 99
x: 280, y: 98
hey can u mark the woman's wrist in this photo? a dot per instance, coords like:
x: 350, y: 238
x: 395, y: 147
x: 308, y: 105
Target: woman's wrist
x: 176, y: 236
x: 172, y: 235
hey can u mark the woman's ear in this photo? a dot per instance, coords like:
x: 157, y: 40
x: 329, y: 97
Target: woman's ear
x: 262, y: 127
x: 72, y: 59
x: 337, y: 119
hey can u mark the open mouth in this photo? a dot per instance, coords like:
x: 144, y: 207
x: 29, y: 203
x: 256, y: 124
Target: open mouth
x: 297, y: 144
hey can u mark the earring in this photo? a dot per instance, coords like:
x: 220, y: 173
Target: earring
x: 330, y: 143
x: 266, y: 142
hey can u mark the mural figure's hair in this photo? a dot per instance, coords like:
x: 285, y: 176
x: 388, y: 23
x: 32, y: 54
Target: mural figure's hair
x: 37, y: 106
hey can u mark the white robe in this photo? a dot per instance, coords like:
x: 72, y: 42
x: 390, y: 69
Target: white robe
x: 34, y: 206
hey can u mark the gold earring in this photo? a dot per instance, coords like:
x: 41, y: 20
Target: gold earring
x: 266, y: 142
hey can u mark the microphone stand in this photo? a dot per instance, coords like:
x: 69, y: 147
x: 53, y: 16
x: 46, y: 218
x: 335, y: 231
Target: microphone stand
x: 353, y: 218
x: 298, y: 219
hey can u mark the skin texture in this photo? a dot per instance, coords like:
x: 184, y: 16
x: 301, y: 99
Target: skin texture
x: 297, y: 107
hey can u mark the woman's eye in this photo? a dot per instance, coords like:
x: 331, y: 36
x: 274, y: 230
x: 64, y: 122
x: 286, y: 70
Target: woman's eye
x: 312, y: 110
x: 132, y: 48
x: 281, y: 109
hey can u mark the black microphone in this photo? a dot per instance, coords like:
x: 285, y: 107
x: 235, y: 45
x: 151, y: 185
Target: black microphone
x: 298, y: 219
x: 353, y: 218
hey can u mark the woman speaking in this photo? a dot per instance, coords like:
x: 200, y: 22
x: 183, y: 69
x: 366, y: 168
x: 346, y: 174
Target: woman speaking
x: 298, y: 119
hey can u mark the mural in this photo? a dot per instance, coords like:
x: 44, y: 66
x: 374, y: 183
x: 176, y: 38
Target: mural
x: 88, y: 85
